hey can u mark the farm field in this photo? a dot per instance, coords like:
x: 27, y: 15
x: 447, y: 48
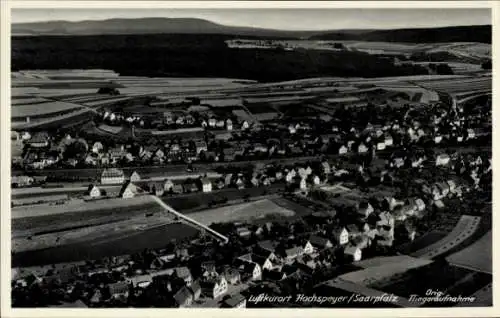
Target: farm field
x: 112, y: 245
x: 195, y: 202
x: 241, y: 212
x: 34, y: 110
x: 437, y: 276
x: 395, y: 266
x: 110, y: 129
x: 422, y: 242
x: 80, y: 206
x: 69, y: 119
x: 53, y: 236
x: 465, y: 227
x: 477, y: 256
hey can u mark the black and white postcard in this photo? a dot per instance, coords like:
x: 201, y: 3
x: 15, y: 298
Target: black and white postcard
x: 248, y: 156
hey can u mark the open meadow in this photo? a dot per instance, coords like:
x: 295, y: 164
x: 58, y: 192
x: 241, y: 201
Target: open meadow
x: 241, y: 212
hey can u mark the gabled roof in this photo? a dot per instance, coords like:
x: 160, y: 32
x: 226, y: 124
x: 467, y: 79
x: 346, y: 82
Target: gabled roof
x: 118, y: 288
x: 350, y: 250
x: 182, y: 295
x: 195, y: 286
x: 112, y: 173
x: 267, y: 245
x: 318, y: 241
x: 128, y: 185
x: 234, y: 300
x: 294, y: 251
x: 182, y: 272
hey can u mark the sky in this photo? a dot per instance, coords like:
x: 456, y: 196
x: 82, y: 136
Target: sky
x: 283, y: 19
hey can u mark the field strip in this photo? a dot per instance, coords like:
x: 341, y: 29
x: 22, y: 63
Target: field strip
x: 79, y: 206
x: 477, y: 256
x: 465, y: 227
x: 386, y: 269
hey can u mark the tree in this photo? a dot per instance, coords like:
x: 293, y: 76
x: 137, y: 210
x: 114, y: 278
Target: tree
x: 486, y: 65
x: 444, y: 69
x: 108, y: 91
x: 76, y: 149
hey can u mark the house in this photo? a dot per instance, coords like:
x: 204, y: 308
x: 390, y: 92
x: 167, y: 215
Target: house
x: 239, y: 183
x: 96, y: 297
x: 206, y: 184
x: 471, y: 134
x: 388, y: 140
x: 302, y: 183
x: 97, y: 147
x: 362, y: 148
x: 168, y: 185
x: 267, y: 246
x: 308, y: 248
x: 128, y: 190
x: 189, y: 186
x: 201, y: 146
x: 290, y: 176
x: 232, y: 276
x: 291, y: 254
x: 195, y: 289
x: 340, y: 235
x: 235, y: 301
x: 452, y: 186
x: 183, y: 297
x: 381, y: 146
x: 157, y: 189
x: 444, y: 188
x: 319, y: 243
x: 325, y: 168
x: 112, y: 176
x: 398, y: 162
x: 263, y: 261
x: 134, y: 177
x: 365, y: 209
x: 119, y: 289
x: 442, y: 159
x: 420, y: 204
x: 243, y: 232
x: 184, y: 273
x: 39, y: 140
x: 343, y: 150
x: 214, y: 288
x: 437, y: 193
x: 353, y: 253
x: 353, y: 230
x: 94, y: 191
x: 315, y: 179
x: 250, y: 271
x: 229, y: 124
x: 273, y: 275
x: 361, y: 241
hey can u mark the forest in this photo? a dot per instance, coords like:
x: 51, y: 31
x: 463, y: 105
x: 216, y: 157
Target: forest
x: 194, y: 56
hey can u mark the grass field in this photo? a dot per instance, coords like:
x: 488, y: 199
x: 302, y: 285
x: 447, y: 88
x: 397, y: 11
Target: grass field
x: 477, y: 256
x: 241, y: 212
x: 111, y: 245
x: 79, y: 206
x: 199, y: 201
x: 110, y: 129
x: 465, y: 227
x: 42, y: 109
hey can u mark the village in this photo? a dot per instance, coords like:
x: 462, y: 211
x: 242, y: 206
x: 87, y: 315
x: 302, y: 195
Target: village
x: 368, y: 186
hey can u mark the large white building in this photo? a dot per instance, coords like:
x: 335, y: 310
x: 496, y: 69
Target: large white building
x: 112, y: 176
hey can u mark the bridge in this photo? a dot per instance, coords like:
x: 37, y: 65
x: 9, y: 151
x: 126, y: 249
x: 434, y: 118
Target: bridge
x: 190, y: 221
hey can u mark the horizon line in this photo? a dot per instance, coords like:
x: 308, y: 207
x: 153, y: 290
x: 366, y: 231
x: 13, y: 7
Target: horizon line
x: 254, y: 27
